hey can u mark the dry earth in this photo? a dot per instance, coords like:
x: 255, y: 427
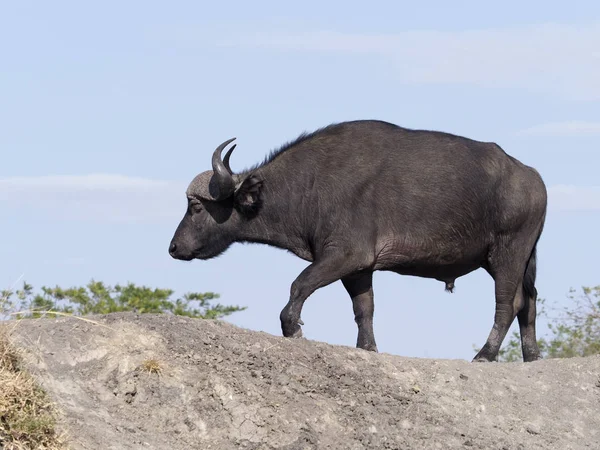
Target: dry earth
x: 223, y: 387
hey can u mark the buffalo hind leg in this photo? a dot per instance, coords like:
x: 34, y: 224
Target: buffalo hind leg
x: 526, y: 318
x: 320, y: 273
x: 513, y: 270
x: 360, y: 288
x: 508, y: 295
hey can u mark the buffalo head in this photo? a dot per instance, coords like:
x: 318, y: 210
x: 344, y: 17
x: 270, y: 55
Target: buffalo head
x: 219, y: 201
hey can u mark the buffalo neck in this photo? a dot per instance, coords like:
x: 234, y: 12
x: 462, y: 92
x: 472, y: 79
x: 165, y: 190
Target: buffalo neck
x: 278, y: 223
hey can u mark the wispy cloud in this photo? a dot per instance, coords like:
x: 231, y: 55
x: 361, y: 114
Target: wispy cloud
x: 98, y: 197
x: 571, y: 128
x: 562, y: 59
x: 574, y: 198
x: 104, y: 182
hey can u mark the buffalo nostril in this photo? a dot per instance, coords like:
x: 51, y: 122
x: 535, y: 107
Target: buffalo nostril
x: 172, y: 247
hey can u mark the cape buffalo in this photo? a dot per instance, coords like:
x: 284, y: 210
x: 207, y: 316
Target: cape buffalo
x: 361, y: 196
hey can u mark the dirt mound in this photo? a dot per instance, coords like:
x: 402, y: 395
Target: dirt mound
x: 222, y: 387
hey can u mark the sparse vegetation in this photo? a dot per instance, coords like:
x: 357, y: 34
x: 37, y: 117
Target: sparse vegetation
x: 152, y: 366
x: 27, y: 417
x: 98, y: 298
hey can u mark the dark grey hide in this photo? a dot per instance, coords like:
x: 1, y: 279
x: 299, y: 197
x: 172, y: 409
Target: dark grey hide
x: 357, y: 197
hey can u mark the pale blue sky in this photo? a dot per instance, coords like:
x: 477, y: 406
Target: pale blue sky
x: 108, y: 110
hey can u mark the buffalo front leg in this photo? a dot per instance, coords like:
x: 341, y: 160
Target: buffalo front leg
x: 360, y: 288
x: 320, y: 273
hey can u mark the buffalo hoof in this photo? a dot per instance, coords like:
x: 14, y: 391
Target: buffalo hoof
x: 294, y: 331
x: 297, y: 334
x: 486, y: 355
x: 482, y: 359
x: 369, y: 348
x: 531, y: 353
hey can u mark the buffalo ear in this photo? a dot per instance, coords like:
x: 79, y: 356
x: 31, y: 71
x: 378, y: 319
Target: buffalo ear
x: 247, y: 196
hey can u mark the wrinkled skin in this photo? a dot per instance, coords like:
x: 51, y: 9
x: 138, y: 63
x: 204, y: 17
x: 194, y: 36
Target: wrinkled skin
x: 362, y: 196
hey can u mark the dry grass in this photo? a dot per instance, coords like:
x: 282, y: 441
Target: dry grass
x: 152, y: 366
x: 27, y: 417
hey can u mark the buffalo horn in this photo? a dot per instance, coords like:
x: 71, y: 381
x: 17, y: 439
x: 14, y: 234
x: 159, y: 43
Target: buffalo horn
x: 222, y: 174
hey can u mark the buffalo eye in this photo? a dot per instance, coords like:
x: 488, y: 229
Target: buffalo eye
x: 195, y: 206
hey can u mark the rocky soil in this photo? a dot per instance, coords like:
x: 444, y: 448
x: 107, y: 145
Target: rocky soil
x: 223, y: 387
